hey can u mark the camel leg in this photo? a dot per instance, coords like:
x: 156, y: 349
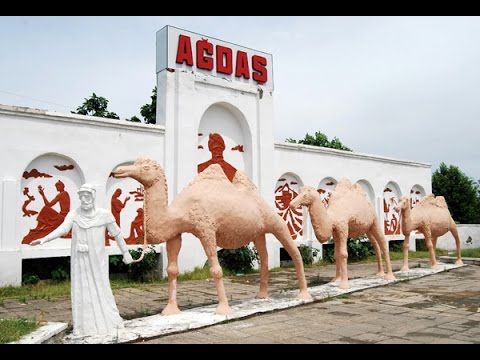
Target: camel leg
x: 261, y: 245
x: 208, y: 241
x: 336, y: 253
x: 406, y: 245
x: 173, y: 248
x: 382, y: 243
x: 431, y: 250
x: 343, y: 259
x: 378, y: 254
x: 283, y: 235
x: 454, y: 231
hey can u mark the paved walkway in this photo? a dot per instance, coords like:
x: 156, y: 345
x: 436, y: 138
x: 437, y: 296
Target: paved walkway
x: 438, y: 308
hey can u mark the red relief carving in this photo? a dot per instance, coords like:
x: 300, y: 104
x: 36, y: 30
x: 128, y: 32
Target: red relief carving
x: 325, y: 195
x: 48, y: 219
x: 35, y: 174
x: 216, y: 145
x: 64, y: 167
x: 136, y: 229
x: 139, y: 193
x: 116, y: 207
x: 390, y: 220
x: 30, y: 198
x: 284, y: 194
x: 238, y: 148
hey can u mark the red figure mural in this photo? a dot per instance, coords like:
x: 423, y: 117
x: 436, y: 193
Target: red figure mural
x: 116, y: 207
x: 238, y: 148
x: 48, y: 218
x: 30, y: 198
x: 390, y: 219
x: 138, y: 193
x: 136, y: 229
x: 35, y: 174
x: 284, y: 194
x: 216, y: 145
x: 63, y: 167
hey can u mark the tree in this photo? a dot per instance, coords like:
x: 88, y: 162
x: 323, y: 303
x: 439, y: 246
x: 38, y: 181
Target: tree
x: 320, y: 139
x: 134, y: 119
x: 461, y: 193
x: 149, y: 111
x: 96, y: 106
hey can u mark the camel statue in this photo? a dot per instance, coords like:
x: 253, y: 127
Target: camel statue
x: 431, y: 217
x: 216, y: 211
x: 349, y: 214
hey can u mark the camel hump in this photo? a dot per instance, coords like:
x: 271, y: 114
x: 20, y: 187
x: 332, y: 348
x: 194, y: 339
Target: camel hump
x: 241, y: 180
x: 440, y: 202
x: 431, y: 200
x: 344, y: 184
x: 212, y: 173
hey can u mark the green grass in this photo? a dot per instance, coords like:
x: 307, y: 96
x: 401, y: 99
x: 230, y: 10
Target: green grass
x: 467, y: 253
x: 14, y: 329
x: 54, y: 290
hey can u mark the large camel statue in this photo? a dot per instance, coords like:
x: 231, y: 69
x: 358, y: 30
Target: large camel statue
x: 349, y: 214
x: 219, y: 213
x: 431, y: 217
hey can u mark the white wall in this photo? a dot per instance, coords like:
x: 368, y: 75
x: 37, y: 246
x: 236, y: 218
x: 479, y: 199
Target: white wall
x: 95, y: 145
x: 469, y: 235
x: 312, y: 164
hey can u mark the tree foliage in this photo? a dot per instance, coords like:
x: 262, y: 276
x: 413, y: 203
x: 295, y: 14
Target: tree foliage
x: 149, y: 111
x: 320, y: 139
x: 96, y: 106
x: 134, y: 119
x: 461, y: 193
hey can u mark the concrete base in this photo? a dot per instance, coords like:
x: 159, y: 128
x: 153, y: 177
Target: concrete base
x: 43, y: 333
x: 158, y: 325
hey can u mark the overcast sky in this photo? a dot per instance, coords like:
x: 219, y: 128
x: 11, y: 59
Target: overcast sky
x: 402, y: 87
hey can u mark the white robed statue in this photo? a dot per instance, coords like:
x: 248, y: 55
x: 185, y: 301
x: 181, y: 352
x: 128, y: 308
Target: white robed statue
x: 94, y: 310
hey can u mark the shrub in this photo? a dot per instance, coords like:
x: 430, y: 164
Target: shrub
x: 239, y: 260
x: 59, y: 274
x: 142, y: 270
x: 357, y: 249
x: 30, y: 279
x: 308, y: 253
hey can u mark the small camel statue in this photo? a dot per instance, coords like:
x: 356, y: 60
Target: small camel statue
x: 349, y: 214
x: 219, y: 213
x: 431, y: 217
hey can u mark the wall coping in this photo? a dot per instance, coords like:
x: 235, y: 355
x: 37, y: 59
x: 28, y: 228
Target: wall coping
x: 94, y: 121
x: 347, y: 154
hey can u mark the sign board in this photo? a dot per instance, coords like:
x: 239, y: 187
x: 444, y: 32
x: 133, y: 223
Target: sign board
x: 182, y: 49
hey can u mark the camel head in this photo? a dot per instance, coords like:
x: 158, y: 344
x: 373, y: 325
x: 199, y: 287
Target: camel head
x: 305, y: 197
x: 145, y: 171
x: 402, y: 204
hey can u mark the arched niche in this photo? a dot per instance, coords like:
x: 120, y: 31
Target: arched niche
x: 367, y: 187
x: 391, y: 221
x: 58, y: 178
x: 417, y: 192
x: 125, y: 200
x: 230, y: 123
x: 325, y: 189
x: 287, y: 188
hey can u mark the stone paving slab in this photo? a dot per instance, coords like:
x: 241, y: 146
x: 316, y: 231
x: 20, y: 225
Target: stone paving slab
x: 158, y: 325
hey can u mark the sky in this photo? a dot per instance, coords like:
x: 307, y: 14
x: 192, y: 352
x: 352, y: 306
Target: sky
x: 401, y: 87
